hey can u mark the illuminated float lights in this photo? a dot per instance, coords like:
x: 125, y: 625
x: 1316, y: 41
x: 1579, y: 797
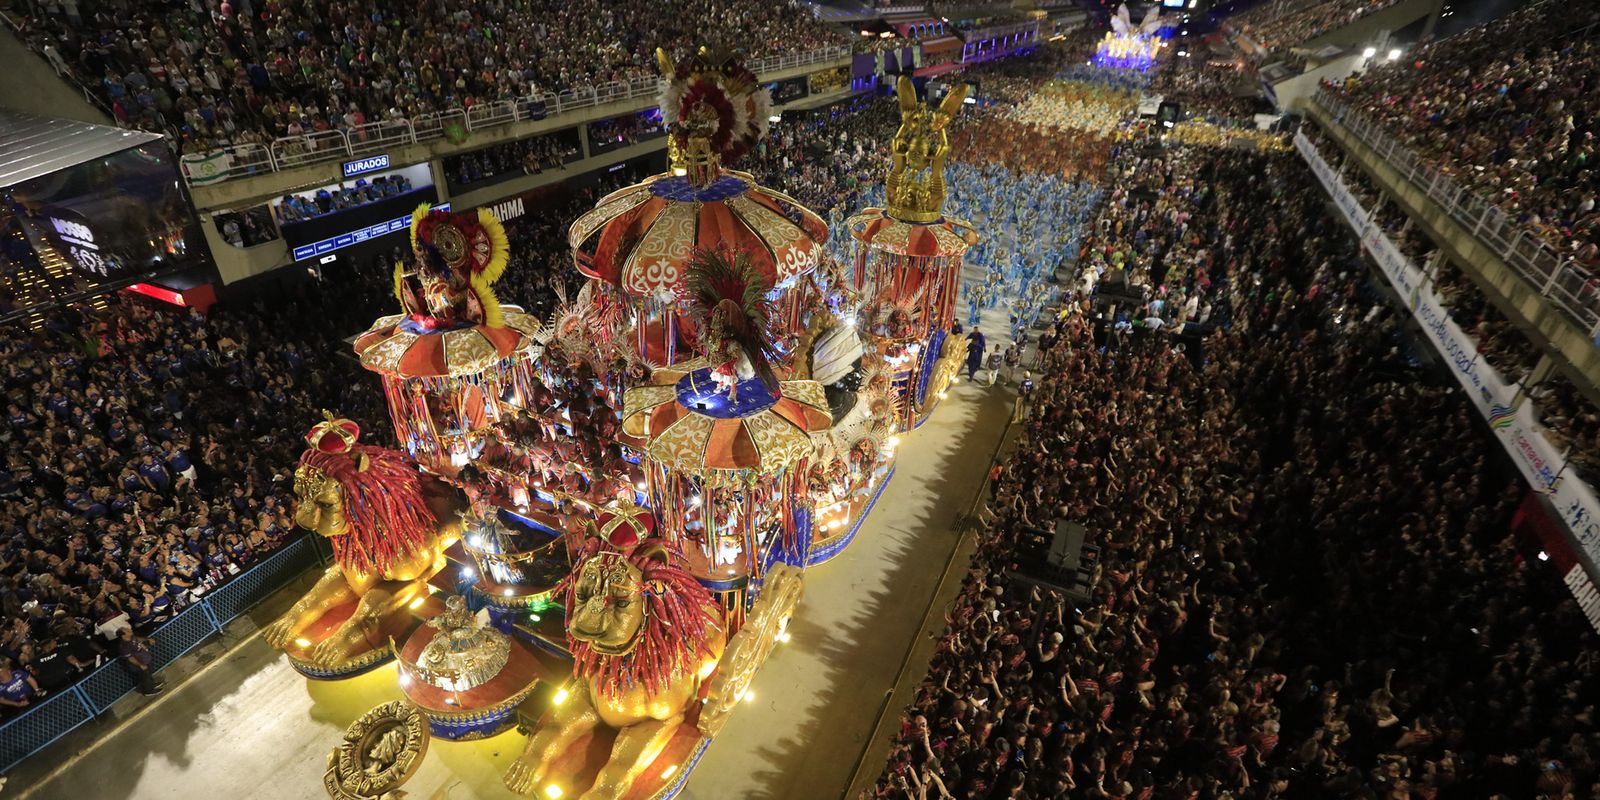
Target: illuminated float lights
x: 826, y: 549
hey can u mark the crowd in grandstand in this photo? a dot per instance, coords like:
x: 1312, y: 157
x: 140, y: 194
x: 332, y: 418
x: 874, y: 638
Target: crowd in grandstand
x: 255, y: 71
x: 149, y: 461
x: 1279, y: 26
x: 1508, y: 109
x: 1569, y: 420
x: 529, y: 156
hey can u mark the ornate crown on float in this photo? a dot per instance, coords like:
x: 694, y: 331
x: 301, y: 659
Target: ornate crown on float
x: 715, y: 109
x: 333, y: 435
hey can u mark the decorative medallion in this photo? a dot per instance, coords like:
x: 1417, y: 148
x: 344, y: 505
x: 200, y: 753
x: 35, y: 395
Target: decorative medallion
x: 380, y: 752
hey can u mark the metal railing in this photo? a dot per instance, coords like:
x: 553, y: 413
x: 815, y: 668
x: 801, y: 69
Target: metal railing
x: 1571, y: 288
x: 42, y: 723
x: 244, y: 160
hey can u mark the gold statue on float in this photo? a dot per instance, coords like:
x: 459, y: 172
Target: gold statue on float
x: 387, y: 542
x: 915, y: 187
x: 643, y: 635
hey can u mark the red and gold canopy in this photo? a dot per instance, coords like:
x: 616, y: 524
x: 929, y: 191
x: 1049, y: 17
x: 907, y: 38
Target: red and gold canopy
x: 640, y: 238
x: 689, y: 425
x: 946, y: 237
x: 398, y: 345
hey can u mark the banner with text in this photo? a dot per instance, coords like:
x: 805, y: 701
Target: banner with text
x: 1538, y: 460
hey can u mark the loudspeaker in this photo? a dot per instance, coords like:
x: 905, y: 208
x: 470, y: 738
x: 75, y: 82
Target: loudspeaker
x: 1066, y: 547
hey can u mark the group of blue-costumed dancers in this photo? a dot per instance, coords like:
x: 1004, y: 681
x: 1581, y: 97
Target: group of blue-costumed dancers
x: 1031, y: 228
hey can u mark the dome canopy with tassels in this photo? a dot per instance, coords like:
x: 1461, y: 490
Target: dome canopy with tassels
x: 691, y: 426
x: 398, y: 345
x: 947, y: 236
x: 640, y: 238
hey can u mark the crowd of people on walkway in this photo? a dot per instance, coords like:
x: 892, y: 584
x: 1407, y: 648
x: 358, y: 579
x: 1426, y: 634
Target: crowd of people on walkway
x: 256, y: 70
x: 1253, y: 510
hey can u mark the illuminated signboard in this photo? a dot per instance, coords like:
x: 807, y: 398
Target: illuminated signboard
x: 368, y: 233
x: 362, y: 166
x: 80, y: 246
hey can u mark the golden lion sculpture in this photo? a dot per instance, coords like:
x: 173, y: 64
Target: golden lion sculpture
x: 643, y: 635
x: 387, y: 542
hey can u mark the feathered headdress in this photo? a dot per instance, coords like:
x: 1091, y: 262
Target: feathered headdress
x: 727, y: 294
x: 468, y: 248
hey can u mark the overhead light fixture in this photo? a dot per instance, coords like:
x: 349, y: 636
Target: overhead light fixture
x: 1369, y: 52
x: 1394, y: 54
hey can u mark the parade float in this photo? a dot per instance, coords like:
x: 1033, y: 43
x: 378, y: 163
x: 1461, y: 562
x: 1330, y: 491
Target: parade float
x: 908, y: 261
x: 1129, y: 46
x: 596, y: 527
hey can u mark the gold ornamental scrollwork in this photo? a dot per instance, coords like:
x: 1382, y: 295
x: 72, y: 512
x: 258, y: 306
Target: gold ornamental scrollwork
x: 380, y: 752
x: 752, y: 645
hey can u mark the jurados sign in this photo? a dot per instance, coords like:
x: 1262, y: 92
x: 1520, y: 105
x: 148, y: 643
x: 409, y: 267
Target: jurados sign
x: 364, y: 165
x: 508, y: 210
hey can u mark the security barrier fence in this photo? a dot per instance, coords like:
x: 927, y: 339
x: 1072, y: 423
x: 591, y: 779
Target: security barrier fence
x: 42, y: 723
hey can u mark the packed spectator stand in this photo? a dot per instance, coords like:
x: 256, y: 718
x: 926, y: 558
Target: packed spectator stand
x: 1507, y: 110
x: 257, y: 71
x: 152, y: 467
x: 1278, y: 26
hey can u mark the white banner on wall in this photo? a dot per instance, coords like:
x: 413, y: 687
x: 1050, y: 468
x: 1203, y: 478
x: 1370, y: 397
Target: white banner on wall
x: 1538, y: 460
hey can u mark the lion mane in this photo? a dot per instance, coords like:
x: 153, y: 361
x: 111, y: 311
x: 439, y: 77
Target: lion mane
x: 389, y: 518
x: 675, y: 633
